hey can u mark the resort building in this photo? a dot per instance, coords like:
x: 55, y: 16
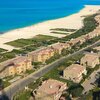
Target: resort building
x: 17, y: 65
x: 42, y: 55
x: 46, y: 53
x: 79, y: 40
x: 50, y: 90
x: 58, y: 47
x: 72, y: 42
x: 97, y: 48
x: 90, y: 60
x: 74, y: 72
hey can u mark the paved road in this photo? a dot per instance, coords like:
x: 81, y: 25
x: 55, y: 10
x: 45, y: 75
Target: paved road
x: 15, y: 87
x: 87, y: 83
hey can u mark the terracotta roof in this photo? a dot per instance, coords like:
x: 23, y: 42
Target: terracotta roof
x: 50, y: 86
x: 75, y: 69
x: 90, y: 57
x: 97, y: 48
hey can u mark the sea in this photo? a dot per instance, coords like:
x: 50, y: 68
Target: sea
x: 21, y: 13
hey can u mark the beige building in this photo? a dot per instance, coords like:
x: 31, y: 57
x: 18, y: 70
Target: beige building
x: 46, y: 53
x: 17, y: 65
x: 97, y: 48
x: 90, y: 60
x: 42, y: 55
x: 58, y: 47
x: 74, y: 72
x: 50, y: 90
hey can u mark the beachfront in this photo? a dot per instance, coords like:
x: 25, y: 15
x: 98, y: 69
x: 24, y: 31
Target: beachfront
x: 70, y: 22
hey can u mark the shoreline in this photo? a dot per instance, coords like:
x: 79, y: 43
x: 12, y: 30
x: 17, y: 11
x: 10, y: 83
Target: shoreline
x: 73, y: 21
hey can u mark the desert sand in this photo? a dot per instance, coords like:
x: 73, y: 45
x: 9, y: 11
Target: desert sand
x: 74, y: 21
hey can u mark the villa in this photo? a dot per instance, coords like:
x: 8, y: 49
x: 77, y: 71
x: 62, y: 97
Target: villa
x: 90, y: 60
x: 74, y: 72
x: 17, y: 65
x: 50, y: 90
x: 97, y: 48
x: 58, y: 47
x: 42, y: 55
x: 46, y: 53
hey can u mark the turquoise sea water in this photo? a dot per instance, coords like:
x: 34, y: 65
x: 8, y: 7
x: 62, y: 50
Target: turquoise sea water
x: 19, y: 13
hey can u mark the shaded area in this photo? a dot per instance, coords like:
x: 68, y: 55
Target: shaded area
x: 96, y: 95
x: 3, y: 96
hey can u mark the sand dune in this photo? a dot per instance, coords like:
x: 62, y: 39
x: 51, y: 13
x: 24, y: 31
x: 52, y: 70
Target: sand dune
x: 73, y: 22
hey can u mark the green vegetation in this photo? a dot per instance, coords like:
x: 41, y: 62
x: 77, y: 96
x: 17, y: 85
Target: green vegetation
x: 6, y: 56
x: 60, y: 33
x: 55, y: 57
x: 89, y: 72
x: 63, y: 29
x: 29, y: 71
x: 23, y: 95
x: 42, y: 40
x: 3, y: 84
x: 75, y: 90
x: 93, y: 94
x: 57, y: 72
x: 87, y: 96
x: 37, y: 65
x: 6, y: 83
x: 79, y: 46
x: 90, y: 41
x: 2, y: 50
x: 89, y: 25
x: 26, y: 94
x: 27, y: 42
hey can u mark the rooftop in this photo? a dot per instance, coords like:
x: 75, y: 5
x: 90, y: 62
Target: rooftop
x: 50, y: 86
x: 74, y: 69
x: 97, y: 48
x: 90, y: 57
x: 58, y: 45
x: 13, y: 61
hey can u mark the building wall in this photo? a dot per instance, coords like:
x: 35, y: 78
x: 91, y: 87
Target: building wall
x: 42, y: 57
x: 40, y: 95
x: 4, y: 73
x: 75, y: 78
x: 91, y: 64
x: 12, y: 70
x: 17, y: 68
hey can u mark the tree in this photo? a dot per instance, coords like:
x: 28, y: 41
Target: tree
x: 1, y: 84
x: 64, y: 52
x: 75, y: 90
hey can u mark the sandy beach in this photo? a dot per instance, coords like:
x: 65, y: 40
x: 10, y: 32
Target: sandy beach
x: 74, y: 21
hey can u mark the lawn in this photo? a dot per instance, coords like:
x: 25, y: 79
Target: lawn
x: 26, y: 42
x: 2, y: 50
x: 89, y: 25
x: 6, y: 56
x: 23, y: 95
x: 56, y: 73
x: 63, y: 30
x: 26, y: 94
x: 59, y: 33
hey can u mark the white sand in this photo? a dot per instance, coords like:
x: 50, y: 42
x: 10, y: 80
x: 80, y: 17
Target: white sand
x: 73, y: 22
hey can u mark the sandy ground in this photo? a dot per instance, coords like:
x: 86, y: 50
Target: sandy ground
x: 74, y: 21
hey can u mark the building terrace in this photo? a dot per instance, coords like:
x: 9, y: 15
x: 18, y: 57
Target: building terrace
x: 74, y: 72
x: 50, y: 90
x: 90, y: 60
